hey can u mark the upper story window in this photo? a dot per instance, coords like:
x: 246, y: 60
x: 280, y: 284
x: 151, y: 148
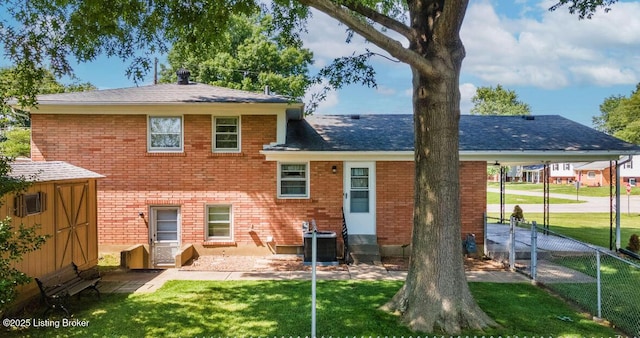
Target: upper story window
x: 566, y: 166
x: 165, y: 133
x: 226, y: 135
x: 293, y: 180
x: 629, y: 165
x: 30, y: 204
x: 555, y: 166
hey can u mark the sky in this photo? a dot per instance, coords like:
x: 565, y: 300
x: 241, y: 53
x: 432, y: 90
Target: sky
x: 556, y: 63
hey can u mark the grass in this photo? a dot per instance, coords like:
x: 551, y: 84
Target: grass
x: 568, y: 189
x: 494, y: 198
x: 619, y: 289
x: 108, y: 262
x: 282, y: 308
x: 588, y: 227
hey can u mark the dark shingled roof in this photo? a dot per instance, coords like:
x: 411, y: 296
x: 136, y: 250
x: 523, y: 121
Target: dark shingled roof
x: 161, y: 93
x: 49, y: 171
x: 477, y: 133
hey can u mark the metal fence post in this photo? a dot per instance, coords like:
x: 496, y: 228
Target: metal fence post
x: 534, y: 250
x: 314, y: 257
x: 599, y: 284
x: 512, y: 244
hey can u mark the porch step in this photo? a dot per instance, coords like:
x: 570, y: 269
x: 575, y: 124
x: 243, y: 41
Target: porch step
x: 364, y: 249
x: 363, y: 239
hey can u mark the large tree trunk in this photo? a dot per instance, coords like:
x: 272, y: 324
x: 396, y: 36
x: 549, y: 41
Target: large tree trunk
x: 436, y: 295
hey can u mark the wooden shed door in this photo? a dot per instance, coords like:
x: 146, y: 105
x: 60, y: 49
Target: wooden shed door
x: 72, y: 223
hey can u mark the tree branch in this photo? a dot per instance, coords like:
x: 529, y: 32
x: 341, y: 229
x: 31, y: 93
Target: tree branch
x: 451, y: 18
x: 392, y: 46
x: 382, y: 19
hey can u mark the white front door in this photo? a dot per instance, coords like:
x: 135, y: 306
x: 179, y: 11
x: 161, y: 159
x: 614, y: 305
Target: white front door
x: 360, y: 197
x: 165, y: 235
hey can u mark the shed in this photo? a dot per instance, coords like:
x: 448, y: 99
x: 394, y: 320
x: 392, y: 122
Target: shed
x: 62, y: 199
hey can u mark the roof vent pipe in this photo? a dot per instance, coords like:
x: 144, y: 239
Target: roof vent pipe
x: 183, y: 76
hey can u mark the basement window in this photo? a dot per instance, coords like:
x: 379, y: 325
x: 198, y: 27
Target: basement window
x: 30, y: 204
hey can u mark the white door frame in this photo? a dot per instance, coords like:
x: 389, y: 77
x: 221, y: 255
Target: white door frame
x: 162, y: 251
x: 363, y: 222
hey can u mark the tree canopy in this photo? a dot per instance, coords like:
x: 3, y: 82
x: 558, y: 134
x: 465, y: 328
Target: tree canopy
x: 498, y: 101
x: 425, y: 35
x: 249, y: 56
x: 620, y: 116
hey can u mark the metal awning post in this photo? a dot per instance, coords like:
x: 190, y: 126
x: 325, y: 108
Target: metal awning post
x: 618, y: 204
x: 503, y: 178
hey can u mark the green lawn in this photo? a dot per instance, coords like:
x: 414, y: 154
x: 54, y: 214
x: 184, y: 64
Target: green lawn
x: 282, y: 308
x: 494, y: 198
x: 620, y: 297
x: 568, y: 189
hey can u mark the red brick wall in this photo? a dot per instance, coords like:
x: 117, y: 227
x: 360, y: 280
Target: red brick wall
x: 394, y: 184
x: 115, y: 146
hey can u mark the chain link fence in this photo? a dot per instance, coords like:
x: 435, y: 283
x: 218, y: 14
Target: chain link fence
x: 594, y: 278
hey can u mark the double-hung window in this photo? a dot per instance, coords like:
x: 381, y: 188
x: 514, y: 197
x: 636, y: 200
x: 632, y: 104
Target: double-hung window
x: 226, y: 135
x: 219, y: 223
x: 293, y: 180
x: 165, y: 134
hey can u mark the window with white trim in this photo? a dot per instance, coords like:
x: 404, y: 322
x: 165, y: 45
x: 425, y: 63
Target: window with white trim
x: 219, y: 223
x: 591, y: 174
x: 226, y: 134
x: 165, y: 133
x: 555, y: 166
x: 566, y: 166
x: 629, y: 165
x: 293, y: 180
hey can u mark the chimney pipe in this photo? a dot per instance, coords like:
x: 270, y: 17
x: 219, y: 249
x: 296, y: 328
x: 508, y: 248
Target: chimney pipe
x: 183, y: 76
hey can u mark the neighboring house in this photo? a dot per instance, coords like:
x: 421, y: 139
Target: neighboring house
x: 233, y: 171
x: 594, y: 174
x: 562, y: 173
x: 630, y: 172
x: 63, y: 200
x: 533, y: 173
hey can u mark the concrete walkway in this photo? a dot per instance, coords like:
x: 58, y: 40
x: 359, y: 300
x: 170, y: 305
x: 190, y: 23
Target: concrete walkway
x: 136, y: 281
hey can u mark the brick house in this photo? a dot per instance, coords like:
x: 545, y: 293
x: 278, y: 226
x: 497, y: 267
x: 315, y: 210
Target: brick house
x: 221, y: 169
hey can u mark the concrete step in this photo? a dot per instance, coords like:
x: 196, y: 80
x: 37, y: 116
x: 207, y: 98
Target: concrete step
x: 365, y: 248
x: 359, y: 259
x: 363, y: 239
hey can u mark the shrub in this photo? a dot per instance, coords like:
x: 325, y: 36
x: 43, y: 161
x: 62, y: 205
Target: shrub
x: 517, y: 213
x: 634, y: 243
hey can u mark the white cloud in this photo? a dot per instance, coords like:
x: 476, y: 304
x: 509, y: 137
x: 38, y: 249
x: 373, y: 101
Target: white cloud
x: 384, y: 90
x: 331, y: 100
x: 554, y: 49
x: 467, y: 91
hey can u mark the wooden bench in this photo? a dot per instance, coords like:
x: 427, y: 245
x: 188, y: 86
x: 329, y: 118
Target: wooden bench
x: 57, y: 287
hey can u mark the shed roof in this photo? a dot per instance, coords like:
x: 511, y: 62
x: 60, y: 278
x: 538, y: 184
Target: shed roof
x: 161, y: 93
x: 49, y: 171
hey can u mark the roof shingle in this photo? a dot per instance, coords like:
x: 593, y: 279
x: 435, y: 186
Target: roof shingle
x: 477, y: 133
x: 161, y: 93
x: 49, y: 171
